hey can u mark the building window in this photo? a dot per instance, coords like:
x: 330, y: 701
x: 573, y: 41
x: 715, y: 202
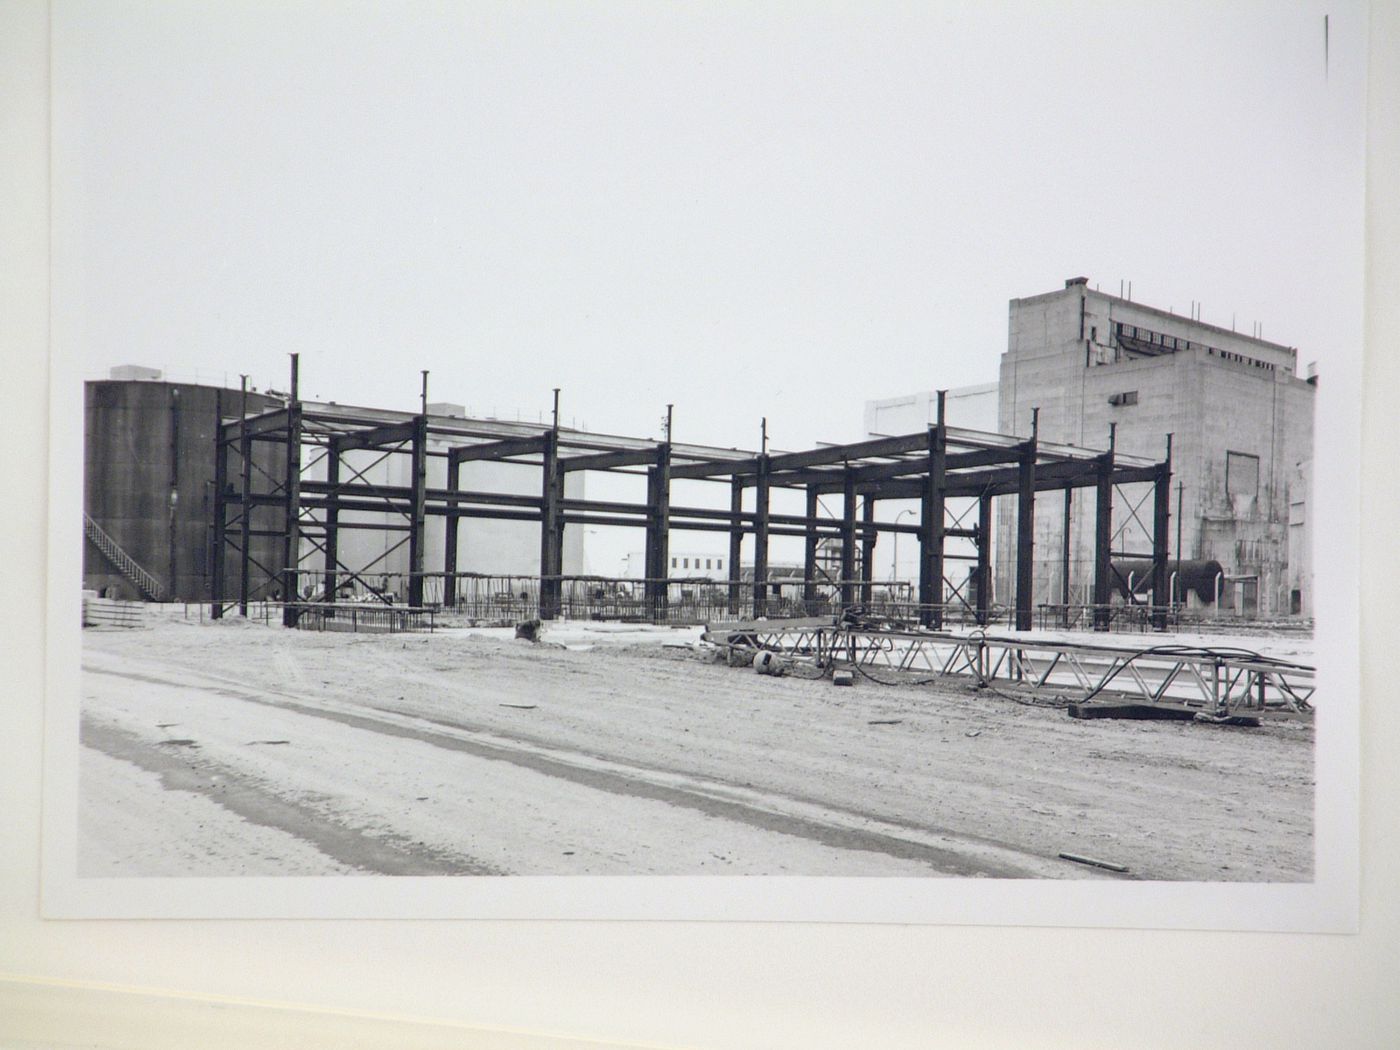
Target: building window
x: 1241, y: 474
x: 1128, y: 397
x: 707, y: 563
x: 719, y: 563
x: 673, y: 563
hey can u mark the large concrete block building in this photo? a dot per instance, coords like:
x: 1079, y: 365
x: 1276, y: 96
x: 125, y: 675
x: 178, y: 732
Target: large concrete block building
x: 1087, y: 364
x: 1241, y: 420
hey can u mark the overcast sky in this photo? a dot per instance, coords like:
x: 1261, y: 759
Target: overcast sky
x: 746, y: 209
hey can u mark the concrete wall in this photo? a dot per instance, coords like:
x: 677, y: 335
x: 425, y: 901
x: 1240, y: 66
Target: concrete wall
x: 972, y: 407
x: 1226, y: 393
x: 145, y: 442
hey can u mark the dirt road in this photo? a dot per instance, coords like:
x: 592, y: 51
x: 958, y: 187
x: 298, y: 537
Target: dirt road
x: 237, y: 749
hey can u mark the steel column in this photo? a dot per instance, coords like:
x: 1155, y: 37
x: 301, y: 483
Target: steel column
x: 450, y: 530
x: 848, y: 540
x: 332, y: 519
x: 1161, y: 536
x: 1065, y: 554
x: 984, y: 560
x: 658, y: 555
x: 809, y: 547
x: 736, y: 541
x: 417, y: 510
x: 867, y: 550
x: 1025, y: 540
x: 245, y: 449
x: 760, y: 537
x: 219, y: 538
x: 932, y: 523
x: 291, y: 546
x: 1103, y: 542
x: 551, y: 553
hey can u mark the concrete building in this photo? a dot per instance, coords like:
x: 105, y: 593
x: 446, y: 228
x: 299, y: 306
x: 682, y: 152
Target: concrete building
x: 684, y: 563
x: 973, y: 407
x: 1241, y: 420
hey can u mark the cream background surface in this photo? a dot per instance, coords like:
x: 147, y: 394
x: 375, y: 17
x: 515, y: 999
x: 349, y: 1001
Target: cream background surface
x: 547, y: 984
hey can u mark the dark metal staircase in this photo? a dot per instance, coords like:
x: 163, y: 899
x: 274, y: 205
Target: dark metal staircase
x: 144, y: 582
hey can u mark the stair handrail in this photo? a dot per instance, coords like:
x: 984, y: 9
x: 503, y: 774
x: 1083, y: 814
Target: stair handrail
x: 128, y: 566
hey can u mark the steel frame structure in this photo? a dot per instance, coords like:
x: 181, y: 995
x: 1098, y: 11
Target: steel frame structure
x: 933, y: 467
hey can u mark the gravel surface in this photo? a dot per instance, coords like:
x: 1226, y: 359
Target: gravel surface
x: 236, y: 748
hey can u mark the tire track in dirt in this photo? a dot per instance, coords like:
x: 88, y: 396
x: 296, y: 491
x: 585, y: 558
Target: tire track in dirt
x: 944, y: 852
x: 386, y: 854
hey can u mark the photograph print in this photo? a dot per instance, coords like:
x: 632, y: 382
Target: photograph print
x: 753, y: 461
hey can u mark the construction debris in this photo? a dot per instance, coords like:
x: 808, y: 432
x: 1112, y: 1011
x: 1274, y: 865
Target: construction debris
x: 770, y: 663
x: 1106, y: 864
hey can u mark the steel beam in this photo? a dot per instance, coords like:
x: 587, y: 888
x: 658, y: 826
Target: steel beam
x: 642, y: 457
x: 275, y: 422
x: 524, y: 446
x: 842, y: 454
x: 395, y: 434
x: 715, y: 468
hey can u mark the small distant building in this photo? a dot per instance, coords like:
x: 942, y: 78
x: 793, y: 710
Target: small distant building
x: 683, y: 564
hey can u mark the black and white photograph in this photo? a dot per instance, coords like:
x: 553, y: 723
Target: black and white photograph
x: 624, y: 460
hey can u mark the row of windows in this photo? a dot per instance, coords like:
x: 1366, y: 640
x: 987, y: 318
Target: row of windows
x: 1230, y: 355
x: 1156, y: 342
x: 710, y: 563
x: 1145, y: 335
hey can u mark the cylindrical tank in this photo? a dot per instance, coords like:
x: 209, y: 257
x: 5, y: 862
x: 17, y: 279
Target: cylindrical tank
x: 1194, y: 576
x: 149, y: 450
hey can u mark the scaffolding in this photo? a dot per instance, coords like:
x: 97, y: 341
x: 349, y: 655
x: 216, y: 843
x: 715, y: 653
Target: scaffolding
x: 949, y: 471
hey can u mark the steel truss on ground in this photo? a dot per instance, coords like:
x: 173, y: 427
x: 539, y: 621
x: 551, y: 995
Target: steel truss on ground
x: 1220, y: 683
x: 303, y: 506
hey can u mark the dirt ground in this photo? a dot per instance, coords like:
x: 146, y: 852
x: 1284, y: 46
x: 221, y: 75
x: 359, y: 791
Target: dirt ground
x: 242, y: 749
